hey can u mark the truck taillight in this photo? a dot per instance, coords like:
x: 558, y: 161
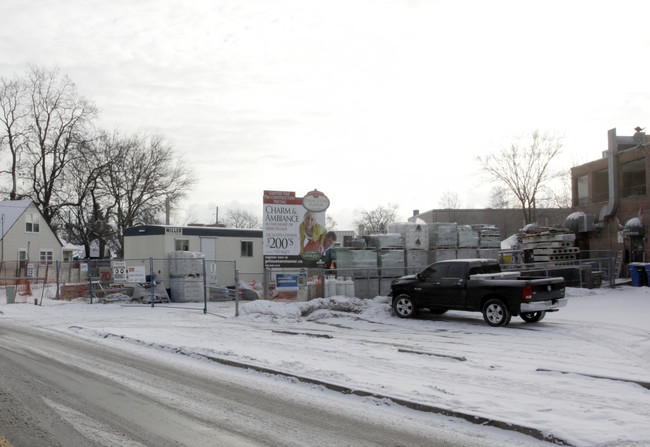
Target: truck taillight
x: 528, y: 293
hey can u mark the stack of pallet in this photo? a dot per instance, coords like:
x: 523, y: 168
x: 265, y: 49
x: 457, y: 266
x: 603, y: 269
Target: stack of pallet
x: 549, y: 246
x: 489, y: 236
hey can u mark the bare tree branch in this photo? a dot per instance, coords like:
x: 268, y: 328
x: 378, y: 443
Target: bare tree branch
x: 376, y: 221
x: 242, y: 219
x: 525, y: 169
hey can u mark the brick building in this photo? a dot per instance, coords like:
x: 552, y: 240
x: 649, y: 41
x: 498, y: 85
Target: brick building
x: 610, y: 196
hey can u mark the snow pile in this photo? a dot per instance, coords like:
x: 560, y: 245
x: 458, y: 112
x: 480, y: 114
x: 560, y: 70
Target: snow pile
x: 272, y: 310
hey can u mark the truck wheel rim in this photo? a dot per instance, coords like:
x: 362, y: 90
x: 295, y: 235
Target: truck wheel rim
x: 494, y: 313
x: 404, y: 307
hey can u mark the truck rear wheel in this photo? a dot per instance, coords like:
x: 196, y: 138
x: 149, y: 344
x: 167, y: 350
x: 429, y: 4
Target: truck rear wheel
x: 495, y: 313
x: 404, y: 307
x: 533, y: 317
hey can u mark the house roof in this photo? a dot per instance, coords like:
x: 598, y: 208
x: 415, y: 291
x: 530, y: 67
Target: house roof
x: 10, y: 211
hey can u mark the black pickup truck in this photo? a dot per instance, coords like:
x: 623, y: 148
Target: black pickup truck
x: 477, y: 285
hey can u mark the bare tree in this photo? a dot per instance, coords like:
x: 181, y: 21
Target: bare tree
x: 238, y: 218
x: 500, y: 197
x: 558, y: 195
x: 13, y: 120
x: 90, y: 219
x: 525, y: 169
x: 376, y: 220
x: 450, y: 200
x: 142, y: 173
x: 57, y: 130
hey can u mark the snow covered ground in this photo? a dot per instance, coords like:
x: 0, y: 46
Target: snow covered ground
x: 581, y: 376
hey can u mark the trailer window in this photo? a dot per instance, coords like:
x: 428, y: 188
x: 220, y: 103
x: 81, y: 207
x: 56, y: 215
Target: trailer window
x: 182, y: 245
x: 246, y: 249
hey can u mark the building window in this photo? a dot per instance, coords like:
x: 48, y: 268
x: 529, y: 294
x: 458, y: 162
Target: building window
x: 581, y: 190
x: 46, y: 256
x: 633, y: 178
x: 182, y: 245
x: 32, y: 223
x: 246, y: 249
x: 601, y: 186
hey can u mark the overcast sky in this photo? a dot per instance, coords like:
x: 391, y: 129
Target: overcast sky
x: 371, y: 102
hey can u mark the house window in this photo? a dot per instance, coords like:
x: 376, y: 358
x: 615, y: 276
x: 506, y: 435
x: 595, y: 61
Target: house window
x: 633, y: 178
x: 246, y: 249
x: 46, y: 256
x: 32, y: 223
x: 581, y: 190
x: 601, y: 186
x: 182, y: 245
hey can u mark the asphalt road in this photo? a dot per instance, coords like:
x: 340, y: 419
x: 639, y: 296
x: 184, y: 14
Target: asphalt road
x: 60, y: 390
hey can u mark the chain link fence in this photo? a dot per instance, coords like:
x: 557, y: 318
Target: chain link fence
x: 199, y: 283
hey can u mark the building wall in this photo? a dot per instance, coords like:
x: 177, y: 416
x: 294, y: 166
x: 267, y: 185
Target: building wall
x: 509, y: 221
x: 608, y: 235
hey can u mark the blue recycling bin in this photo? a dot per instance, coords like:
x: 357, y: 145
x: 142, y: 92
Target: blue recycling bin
x: 638, y: 274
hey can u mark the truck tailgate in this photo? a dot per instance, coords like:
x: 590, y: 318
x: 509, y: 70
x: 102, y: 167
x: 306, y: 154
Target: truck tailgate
x: 546, y: 288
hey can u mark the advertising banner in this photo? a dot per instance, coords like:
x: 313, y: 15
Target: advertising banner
x: 294, y: 229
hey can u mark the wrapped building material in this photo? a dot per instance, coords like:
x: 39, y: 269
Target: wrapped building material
x: 184, y: 263
x: 391, y: 262
x: 364, y: 262
x: 467, y: 237
x: 441, y: 254
x: 467, y: 253
x: 414, y: 235
x: 187, y: 289
x: 390, y: 240
x: 357, y: 263
x: 417, y: 259
x: 443, y: 235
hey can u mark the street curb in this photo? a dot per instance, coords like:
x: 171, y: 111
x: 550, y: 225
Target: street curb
x: 478, y: 420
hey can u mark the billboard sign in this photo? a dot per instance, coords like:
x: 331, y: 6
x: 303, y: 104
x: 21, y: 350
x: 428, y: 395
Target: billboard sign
x: 294, y: 229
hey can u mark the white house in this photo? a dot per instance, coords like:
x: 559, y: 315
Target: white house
x: 25, y: 234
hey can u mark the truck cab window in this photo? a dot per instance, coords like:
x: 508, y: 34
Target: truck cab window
x: 455, y: 271
x: 432, y: 273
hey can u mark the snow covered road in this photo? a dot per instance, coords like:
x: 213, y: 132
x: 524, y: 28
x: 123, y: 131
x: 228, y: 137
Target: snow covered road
x: 579, y: 376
